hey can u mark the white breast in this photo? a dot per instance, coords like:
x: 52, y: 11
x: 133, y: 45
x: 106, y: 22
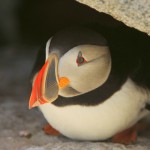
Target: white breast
x: 100, y: 122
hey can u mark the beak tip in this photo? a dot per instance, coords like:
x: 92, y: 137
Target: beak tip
x: 30, y: 107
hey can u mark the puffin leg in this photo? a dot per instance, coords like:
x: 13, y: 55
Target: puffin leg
x: 48, y: 129
x: 128, y: 136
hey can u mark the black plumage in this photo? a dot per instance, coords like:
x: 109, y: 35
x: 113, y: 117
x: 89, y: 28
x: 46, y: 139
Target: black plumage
x: 129, y: 50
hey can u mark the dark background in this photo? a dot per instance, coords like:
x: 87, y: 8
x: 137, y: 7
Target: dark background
x: 26, y: 24
x: 34, y: 21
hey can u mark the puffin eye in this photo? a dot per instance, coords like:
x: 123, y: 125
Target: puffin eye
x: 80, y: 59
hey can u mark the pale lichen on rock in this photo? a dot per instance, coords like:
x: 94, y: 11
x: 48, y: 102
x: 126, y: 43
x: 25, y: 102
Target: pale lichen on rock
x: 134, y: 13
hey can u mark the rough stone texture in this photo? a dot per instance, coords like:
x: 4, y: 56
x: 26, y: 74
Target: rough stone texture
x: 134, y: 13
x: 15, y: 116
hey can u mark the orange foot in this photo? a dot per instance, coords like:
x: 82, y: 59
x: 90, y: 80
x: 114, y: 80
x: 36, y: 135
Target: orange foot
x: 128, y: 136
x: 48, y: 129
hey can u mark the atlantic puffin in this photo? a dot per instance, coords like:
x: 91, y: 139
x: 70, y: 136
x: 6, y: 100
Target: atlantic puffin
x: 93, y: 86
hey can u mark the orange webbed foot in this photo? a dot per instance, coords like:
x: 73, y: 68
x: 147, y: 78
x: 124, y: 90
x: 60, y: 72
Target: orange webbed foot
x: 48, y: 129
x: 126, y: 137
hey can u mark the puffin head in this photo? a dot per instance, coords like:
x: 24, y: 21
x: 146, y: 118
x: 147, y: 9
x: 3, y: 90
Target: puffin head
x: 81, y: 69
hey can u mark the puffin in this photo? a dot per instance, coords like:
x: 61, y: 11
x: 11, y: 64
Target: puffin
x: 93, y: 85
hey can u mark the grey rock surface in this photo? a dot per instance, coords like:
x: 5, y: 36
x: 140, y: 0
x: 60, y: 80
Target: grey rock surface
x: 134, y: 13
x: 15, y: 116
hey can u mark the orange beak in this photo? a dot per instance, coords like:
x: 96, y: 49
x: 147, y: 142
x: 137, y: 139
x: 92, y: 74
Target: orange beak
x: 47, y: 83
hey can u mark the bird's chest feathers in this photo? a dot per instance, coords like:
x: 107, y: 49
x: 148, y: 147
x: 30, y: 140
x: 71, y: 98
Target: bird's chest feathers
x: 121, y: 110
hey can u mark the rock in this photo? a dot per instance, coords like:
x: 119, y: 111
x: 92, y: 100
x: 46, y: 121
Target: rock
x: 25, y: 133
x: 134, y: 13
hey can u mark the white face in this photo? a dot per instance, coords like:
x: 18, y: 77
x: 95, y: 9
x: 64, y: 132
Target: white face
x: 89, y: 75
